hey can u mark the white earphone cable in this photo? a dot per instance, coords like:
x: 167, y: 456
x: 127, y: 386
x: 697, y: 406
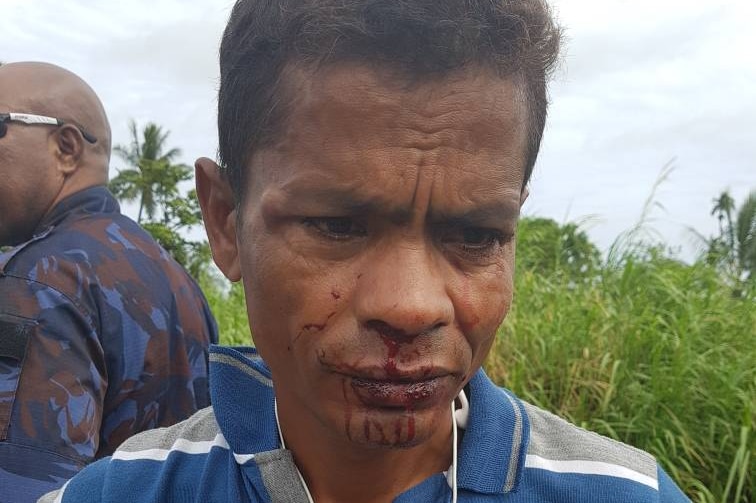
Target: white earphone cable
x: 454, y: 454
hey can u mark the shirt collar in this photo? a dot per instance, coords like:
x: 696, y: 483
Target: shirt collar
x: 97, y: 199
x: 494, y: 445
x: 241, y: 391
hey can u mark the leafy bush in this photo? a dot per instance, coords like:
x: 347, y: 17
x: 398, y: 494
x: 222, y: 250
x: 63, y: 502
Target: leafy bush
x: 227, y: 303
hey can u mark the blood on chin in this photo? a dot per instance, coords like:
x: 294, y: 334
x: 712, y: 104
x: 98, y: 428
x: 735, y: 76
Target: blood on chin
x: 390, y: 421
x: 389, y: 428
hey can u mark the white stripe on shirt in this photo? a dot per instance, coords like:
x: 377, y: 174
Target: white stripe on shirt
x: 589, y: 468
x: 182, y: 445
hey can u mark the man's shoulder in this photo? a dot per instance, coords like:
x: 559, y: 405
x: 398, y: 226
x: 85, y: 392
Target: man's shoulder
x: 563, y: 459
x: 540, y: 455
x: 102, y: 249
x: 84, y: 241
x: 553, y: 438
x: 198, y: 433
x: 151, y: 459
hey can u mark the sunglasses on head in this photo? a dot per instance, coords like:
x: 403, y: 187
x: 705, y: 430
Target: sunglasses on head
x: 32, y: 119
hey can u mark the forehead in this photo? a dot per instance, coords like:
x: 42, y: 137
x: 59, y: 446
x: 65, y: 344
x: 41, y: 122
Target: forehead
x: 367, y: 129
x: 348, y: 94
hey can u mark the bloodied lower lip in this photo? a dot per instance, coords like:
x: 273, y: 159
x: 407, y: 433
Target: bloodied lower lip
x: 400, y: 394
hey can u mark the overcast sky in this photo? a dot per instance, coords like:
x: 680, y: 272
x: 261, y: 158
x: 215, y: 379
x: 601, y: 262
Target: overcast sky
x: 642, y: 83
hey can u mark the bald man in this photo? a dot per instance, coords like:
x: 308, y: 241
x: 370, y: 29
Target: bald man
x: 102, y: 334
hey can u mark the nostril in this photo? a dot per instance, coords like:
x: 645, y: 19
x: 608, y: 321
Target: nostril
x: 386, y: 330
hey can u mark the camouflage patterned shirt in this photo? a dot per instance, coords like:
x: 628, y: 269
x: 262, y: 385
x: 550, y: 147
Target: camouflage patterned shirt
x: 102, y: 335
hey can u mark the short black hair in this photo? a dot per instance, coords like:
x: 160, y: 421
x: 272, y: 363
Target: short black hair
x: 419, y: 38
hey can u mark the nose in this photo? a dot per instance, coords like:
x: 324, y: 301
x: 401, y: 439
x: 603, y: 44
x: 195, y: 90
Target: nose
x: 402, y: 293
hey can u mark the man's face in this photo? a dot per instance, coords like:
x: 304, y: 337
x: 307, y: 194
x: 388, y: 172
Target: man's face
x: 28, y: 179
x: 375, y: 244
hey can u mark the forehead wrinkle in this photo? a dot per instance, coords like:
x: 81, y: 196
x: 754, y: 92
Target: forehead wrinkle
x: 383, y: 92
x: 361, y: 194
x: 343, y: 123
x: 458, y: 130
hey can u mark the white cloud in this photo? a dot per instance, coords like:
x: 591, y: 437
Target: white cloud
x: 645, y: 82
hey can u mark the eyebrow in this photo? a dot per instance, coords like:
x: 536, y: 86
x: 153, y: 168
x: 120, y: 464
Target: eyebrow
x: 480, y: 214
x: 345, y: 201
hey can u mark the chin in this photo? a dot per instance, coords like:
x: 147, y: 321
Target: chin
x: 390, y: 428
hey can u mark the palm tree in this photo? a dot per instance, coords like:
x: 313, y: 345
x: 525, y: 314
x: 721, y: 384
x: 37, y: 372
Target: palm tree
x: 735, y: 247
x: 152, y: 174
x: 153, y: 177
x: 724, y: 205
x: 745, y: 233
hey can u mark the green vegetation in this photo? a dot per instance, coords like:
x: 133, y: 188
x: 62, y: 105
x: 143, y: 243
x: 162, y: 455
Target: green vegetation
x: 733, y: 252
x: 229, y: 309
x: 654, y: 353
x: 154, y: 179
x: 641, y: 347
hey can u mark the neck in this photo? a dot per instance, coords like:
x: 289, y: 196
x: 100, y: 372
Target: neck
x: 341, y: 471
x: 83, y: 178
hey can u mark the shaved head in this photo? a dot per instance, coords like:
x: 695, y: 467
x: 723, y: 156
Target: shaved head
x: 47, y: 89
x: 42, y: 164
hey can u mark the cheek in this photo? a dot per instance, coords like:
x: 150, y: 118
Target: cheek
x: 481, y: 304
x: 290, y: 301
x: 25, y: 197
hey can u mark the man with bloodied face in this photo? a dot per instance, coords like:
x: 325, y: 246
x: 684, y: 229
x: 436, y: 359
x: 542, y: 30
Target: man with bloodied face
x: 374, y: 156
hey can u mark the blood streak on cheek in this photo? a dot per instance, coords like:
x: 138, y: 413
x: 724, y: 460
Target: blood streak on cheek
x: 314, y: 327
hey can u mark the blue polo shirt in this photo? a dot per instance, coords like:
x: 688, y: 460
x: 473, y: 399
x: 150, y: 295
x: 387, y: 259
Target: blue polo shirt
x: 230, y: 452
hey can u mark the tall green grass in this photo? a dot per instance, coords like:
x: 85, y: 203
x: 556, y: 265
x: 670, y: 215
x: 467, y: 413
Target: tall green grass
x: 649, y: 351
x: 641, y: 348
x: 226, y: 300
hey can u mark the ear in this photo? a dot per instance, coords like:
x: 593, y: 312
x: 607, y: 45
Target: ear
x: 524, y: 195
x: 68, y: 148
x: 219, y: 214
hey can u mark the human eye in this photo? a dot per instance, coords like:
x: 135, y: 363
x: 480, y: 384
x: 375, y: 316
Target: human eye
x: 335, y: 228
x: 476, y: 243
